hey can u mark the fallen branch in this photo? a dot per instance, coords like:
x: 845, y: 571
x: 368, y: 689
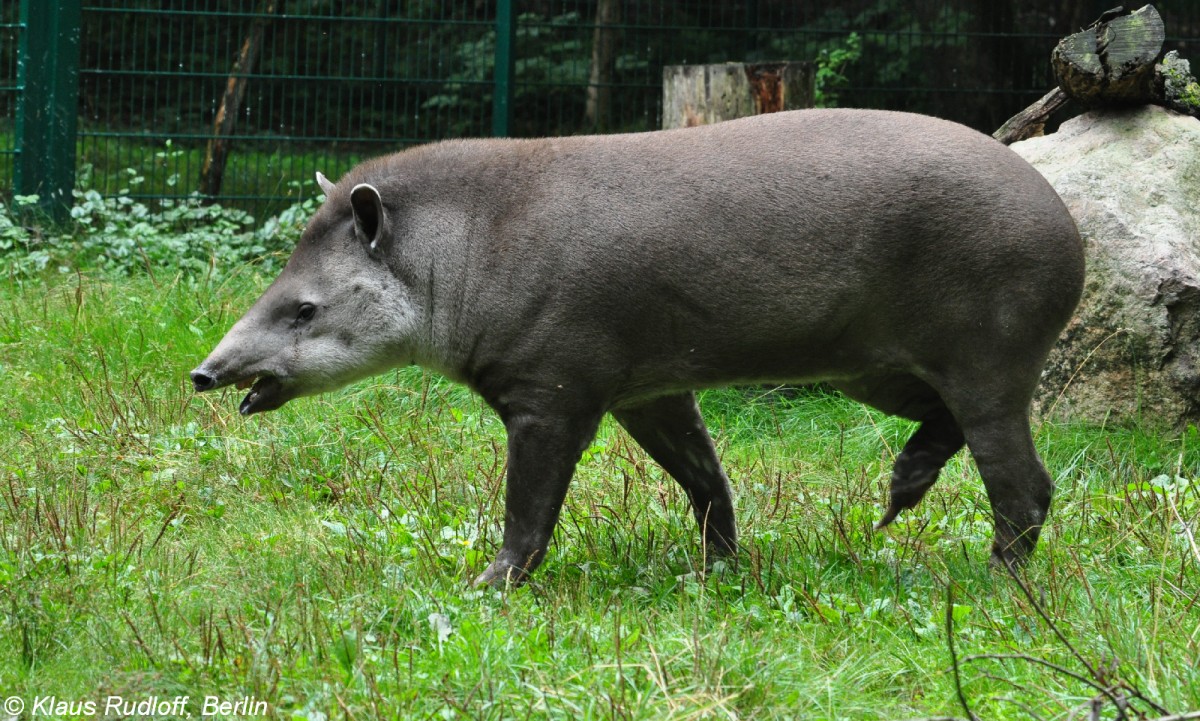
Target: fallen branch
x: 1103, y: 679
x: 962, y: 697
x: 1031, y: 122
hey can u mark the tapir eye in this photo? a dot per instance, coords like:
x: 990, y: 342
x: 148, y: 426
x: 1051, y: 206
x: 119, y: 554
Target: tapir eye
x: 305, y: 312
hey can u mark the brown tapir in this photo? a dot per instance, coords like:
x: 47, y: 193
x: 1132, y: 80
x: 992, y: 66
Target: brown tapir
x: 919, y: 266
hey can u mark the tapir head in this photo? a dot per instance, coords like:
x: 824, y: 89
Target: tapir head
x: 335, y: 314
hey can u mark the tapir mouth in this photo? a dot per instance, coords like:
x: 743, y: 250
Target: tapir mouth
x: 266, y: 394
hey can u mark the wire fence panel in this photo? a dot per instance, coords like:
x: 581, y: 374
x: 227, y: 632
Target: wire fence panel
x: 10, y: 37
x: 289, y: 87
x: 330, y: 83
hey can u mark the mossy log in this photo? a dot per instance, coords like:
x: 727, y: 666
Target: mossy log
x: 1176, y: 86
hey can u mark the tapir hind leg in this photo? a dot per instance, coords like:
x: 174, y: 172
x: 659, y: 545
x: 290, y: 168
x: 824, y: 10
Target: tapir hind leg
x: 989, y: 409
x: 1018, y: 486
x: 671, y: 430
x: 992, y: 408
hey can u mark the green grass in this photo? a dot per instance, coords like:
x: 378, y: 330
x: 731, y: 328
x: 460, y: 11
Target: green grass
x: 152, y: 542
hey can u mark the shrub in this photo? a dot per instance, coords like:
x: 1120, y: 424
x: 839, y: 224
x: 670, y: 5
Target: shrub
x: 121, y: 234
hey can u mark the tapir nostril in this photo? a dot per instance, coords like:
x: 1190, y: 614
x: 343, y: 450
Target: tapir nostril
x: 203, y: 382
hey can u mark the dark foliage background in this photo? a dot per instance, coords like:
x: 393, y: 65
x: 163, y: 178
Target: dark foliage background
x: 337, y: 80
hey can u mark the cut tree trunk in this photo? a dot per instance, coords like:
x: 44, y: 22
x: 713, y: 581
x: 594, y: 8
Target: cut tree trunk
x: 706, y: 94
x: 212, y: 172
x: 1112, y: 62
x: 604, y: 56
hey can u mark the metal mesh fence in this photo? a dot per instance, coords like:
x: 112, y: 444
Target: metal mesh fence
x: 331, y: 83
x: 10, y: 33
x: 328, y: 83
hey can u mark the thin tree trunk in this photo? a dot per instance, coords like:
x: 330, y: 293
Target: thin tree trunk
x: 604, y: 56
x: 212, y: 173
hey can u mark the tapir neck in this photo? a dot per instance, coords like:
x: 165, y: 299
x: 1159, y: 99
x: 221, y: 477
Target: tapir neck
x: 433, y: 264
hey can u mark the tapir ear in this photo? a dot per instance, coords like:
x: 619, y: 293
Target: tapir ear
x: 370, y: 223
x: 326, y: 186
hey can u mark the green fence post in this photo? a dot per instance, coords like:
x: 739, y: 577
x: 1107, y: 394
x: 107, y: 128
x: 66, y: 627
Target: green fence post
x: 506, y: 68
x: 48, y: 73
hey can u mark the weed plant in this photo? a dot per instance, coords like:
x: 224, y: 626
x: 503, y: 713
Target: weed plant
x: 153, y: 542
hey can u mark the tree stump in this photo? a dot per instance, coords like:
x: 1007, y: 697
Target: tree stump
x: 705, y: 94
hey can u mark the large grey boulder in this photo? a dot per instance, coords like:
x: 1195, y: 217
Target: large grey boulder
x: 1131, y: 178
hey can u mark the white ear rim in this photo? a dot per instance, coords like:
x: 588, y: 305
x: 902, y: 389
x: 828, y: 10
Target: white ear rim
x: 326, y: 185
x: 378, y: 203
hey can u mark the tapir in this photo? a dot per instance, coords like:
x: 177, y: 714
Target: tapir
x: 918, y: 266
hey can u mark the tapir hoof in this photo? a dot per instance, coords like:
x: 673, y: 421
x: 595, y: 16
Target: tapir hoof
x: 888, y: 516
x: 1009, y: 556
x: 720, y: 551
x: 905, y: 494
x: 500, y: 575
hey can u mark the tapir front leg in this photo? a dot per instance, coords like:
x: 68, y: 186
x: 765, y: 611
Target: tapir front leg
x: 918, y: 465
x: 543, y: 449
